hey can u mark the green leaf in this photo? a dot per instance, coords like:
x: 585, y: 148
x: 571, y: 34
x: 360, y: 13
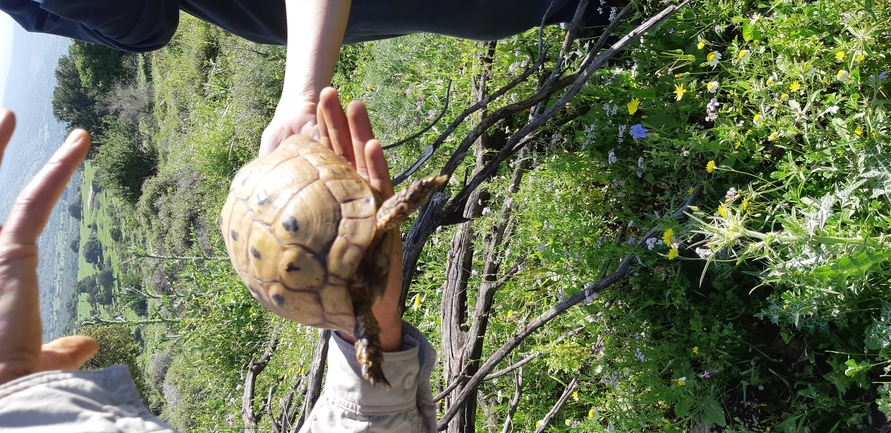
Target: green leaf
x: 682, y: 408
x: 713, y: 413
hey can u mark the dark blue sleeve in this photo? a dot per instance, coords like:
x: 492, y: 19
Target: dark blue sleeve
x: 128, y: 25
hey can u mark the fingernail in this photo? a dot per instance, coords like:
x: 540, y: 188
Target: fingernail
x: 74, y: 139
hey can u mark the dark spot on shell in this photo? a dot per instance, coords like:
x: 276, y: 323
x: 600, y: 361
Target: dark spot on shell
x: 261, y: 197
x: 255, y: 253
x: 279, y: 299
x: 291, y: 267
x: 290, y: 224
x: 234, y: 234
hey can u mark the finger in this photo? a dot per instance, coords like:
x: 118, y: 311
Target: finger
x: 34, y: 204
x: 336, y: 124
x: 270, y: 141
x: 7, y: 124
x: 361, y: 132
x: 378, y: 173
x: 67, y: 353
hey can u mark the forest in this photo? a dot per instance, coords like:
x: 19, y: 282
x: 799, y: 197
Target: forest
x: 675, y: 223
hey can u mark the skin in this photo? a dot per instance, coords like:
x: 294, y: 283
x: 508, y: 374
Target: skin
x: 350, y: 134
x: 21, y: 351
x: 315, y: 34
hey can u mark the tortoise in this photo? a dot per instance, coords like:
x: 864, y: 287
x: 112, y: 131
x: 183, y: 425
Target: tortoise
x: 312, y: 241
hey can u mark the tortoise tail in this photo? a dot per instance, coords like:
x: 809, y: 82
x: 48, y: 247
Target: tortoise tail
x: 398, y: 208
x: 369, y: 354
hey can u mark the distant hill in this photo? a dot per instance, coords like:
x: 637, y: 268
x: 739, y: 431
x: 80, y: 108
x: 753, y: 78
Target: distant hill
x: 29, y: 93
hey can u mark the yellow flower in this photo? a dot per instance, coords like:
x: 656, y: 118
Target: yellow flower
x: 592, y: 413
x: 795, y: 86
x: 756, y: 119
x: 745, y: 204
x: 839, y: 56
x: 510, y: 313
x: 672, y: 253
x: 679, y: 91
x: 701, y: 44
x: 567, y: 422
x: 417, y: 302
x: 784, y: 96
x: 722, y: 210
x: 632, y: 106
x: 538, y: 424
x: 575, y: 395
x: 368, y: 87
x: 690, y: 190
x: 668, y: 236
x: 682, y: 380
x: 696, y: 350
x: 773, y: 136
x: 858, y: 131
x: 860, y: 58
x: 710, y: 167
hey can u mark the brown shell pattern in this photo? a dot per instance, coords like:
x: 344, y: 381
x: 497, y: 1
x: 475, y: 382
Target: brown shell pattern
x: 296, y: 224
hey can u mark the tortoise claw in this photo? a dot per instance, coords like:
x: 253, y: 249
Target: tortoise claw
x: 370, y: 358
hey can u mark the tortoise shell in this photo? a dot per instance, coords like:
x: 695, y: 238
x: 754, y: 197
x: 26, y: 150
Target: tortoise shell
x: 297, y: 224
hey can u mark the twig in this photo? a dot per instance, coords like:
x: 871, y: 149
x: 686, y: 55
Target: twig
x: 572, y: 386
x: 515, y: 401
x: 445, y: 107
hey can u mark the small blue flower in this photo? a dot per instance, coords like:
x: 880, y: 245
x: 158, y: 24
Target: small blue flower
x: 638, y: 131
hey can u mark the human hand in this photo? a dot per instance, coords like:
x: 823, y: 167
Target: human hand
x: 350, y: 135
x: 21, y: 352
x: 289, y: 119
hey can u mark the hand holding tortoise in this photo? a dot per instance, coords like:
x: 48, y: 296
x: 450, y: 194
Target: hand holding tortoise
x: 312, y: 229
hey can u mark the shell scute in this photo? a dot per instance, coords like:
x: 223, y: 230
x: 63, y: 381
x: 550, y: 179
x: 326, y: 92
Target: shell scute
x: 264, y: 251
x: 279, y: 187
x: 315, y: 213
x: 344, y: 257
x: 301, y: 269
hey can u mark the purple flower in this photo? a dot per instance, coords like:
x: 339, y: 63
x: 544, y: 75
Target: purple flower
x: 418, y: 105
x: 431, y: 114
x: 611, y: 158
x: 731, y: 194
x: 883, y: 75
x: 638, y: 131
x: 706, y: 374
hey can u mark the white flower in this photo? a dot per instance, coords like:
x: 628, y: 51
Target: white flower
x: 713, y: 58
x: 712, y: 86
x: 842, y: 75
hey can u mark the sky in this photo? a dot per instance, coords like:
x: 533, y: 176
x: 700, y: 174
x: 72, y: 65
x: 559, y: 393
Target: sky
x: 6, y: 24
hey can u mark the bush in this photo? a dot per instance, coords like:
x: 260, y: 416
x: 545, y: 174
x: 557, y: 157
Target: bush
x: 92, y: 250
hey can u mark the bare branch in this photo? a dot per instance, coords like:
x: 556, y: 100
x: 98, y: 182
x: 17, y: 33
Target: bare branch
x: 572, y: 386
x: 255, y: 367
x: 316, y: 374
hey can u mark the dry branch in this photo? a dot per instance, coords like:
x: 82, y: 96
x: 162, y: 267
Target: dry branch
x: 255, y: 367
x: 572, y: 386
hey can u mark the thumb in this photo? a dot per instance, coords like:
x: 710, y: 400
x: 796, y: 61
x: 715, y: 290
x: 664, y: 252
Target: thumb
x: 67, y: 353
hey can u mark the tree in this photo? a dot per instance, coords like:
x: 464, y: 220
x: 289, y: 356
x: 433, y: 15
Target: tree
x: 73, y: 104
x: 116, y: 346
x: 92, y: 250
x: 97, y: 65
x: 75, y: 245
x: 105, y: 278
x: 116, y: 234
x: 87, y: 285
x: 123, y: 162
x: 76, y: 209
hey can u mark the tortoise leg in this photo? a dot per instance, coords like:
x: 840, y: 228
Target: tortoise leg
x: 367, y: 333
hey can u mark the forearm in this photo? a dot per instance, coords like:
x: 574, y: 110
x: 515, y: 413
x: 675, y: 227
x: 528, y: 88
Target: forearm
x: 315, y: 33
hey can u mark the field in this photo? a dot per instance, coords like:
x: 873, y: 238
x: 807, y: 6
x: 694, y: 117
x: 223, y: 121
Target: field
x: 701, y: 229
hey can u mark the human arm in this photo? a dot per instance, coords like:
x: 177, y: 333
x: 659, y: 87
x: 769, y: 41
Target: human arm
x: 315, y: 33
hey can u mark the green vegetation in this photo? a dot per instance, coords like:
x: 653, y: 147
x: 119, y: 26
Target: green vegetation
x: 761, y: 307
